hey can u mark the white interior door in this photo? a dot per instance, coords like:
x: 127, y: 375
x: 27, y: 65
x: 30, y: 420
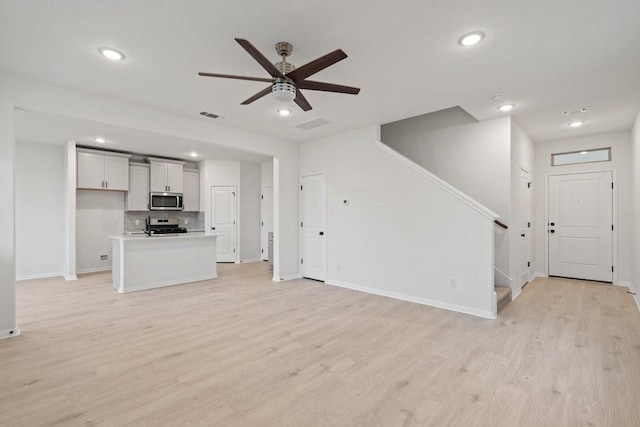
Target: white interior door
x: 313, y: 225
x: 266, y: 218
x: 223, y: 221
x: 580, y: 226
x: 525, y: 226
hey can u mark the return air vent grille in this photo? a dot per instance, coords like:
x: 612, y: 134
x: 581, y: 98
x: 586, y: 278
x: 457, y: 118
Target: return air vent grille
x: 313, y: 123
x: 210, y: 115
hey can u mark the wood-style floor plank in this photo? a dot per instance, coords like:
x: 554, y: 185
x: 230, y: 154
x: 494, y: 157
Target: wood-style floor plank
x: 243, y: 350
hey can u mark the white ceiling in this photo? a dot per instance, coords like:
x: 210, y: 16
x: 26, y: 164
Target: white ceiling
x: 55, y: 129
x: 546, y: 56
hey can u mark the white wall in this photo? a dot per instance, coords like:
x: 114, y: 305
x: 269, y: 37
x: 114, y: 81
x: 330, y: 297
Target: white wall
x: 476, y: 159
x: 620, y: 143
x: 402, y: 234
x: 250, y: 178
x: 99, y: 214
x: 266, y: 173
x: 8, y: 326
x: 40, y: 219
x: 635, y: 216
x: 522, y: 157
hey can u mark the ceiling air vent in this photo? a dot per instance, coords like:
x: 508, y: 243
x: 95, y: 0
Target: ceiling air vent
x: 313, y: 123
x: 210, y: 115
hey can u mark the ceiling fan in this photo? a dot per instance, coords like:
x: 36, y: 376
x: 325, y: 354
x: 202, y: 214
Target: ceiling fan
x: 287, y: 80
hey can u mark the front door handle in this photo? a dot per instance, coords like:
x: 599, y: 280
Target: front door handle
x: 321, y: 233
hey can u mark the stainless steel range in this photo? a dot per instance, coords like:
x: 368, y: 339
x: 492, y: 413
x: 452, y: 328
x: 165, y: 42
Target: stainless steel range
x: 163, y: 226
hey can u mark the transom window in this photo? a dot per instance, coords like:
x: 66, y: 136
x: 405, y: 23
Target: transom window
x: 583, y: 156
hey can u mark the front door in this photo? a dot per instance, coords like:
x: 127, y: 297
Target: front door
x: 580, y: 226
x: 266, y: 214
x: 313, y: 224
x: 223, y: 221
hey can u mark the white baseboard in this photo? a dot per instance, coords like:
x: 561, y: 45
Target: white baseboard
x: 164, y: 284
x: 290, y: 277
x: 71, y: 277
x: 243, y: 261
x: 515, y: 294
x: 93, y: 270
x: 419, y: 300
x: 9, y: 333
x: 626, y: 284
x: 538, y: 274
x: 38, y: 276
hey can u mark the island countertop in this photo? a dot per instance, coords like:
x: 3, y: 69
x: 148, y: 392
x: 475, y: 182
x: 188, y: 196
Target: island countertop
x: 139, y: 236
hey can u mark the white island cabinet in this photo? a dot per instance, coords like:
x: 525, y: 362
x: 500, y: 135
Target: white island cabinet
x: 145, y: 262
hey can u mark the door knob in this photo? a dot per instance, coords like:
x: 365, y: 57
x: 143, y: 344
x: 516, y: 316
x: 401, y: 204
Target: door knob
x: 321, y: 233
x: 213, y: 228
x: 552, y: 224
x: 552, y: 231
x: 522, y: 235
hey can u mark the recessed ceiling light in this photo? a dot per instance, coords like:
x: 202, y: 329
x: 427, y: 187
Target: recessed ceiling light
x: 112, y: 54
x: 471, y: 39
x: 284, y: 112
x: 506, y: 107
x: 193, y: 154
x: 100, y: 140
x: 576, y: 124
x: 583, y: 152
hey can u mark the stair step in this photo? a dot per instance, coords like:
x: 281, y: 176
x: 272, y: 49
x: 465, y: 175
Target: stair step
x: 504, y: 296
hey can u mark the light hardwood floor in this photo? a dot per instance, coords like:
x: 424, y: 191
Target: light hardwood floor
x: 245, y: 351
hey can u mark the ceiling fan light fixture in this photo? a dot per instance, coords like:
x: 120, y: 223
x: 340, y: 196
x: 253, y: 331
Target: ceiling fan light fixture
x: 283, y: 91
x: 110, y: 53
x: 471, y: 38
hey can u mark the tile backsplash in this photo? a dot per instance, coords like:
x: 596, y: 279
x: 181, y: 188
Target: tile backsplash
x: 188, y: 220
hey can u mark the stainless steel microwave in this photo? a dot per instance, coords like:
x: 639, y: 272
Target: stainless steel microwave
x: 165, y: 201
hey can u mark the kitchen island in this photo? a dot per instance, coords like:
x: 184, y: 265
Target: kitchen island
x: 145, y: 262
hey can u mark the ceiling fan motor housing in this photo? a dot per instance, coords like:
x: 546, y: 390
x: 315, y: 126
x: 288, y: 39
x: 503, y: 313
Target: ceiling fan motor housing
x: 283, y: 90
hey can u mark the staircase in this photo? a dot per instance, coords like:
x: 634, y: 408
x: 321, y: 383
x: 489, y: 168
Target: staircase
x: 504, y: 296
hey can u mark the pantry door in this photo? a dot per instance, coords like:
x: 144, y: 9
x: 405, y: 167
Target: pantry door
x: 223, y: 221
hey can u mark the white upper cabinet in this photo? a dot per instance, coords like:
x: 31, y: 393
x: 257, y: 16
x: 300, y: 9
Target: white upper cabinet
x: 166, y: 176
x: 138, y: 195
x: 191, y: 193
x: 103, y: 171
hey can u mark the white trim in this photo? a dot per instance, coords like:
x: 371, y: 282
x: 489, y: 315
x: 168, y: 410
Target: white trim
x: 244, y: 261
x: 515, y: 294
x: 636, y: 297
x: 475, y: 205
x: 70, y: 277
x: 92, y: 270
x: 285, y: 278
x: 38, y: 276
x: 538, y: 274
x: 424, y: 301
x: 148, y: 286
x: 9, y: 333
x: 626, y: 284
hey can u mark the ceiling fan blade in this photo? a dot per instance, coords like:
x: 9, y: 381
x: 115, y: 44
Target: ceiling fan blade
x: 316, y: 65
x: 327, y: 87
x: 258, y: 95
x: 302, y: 101
x: 262, y: 60
x: 232, y: 76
